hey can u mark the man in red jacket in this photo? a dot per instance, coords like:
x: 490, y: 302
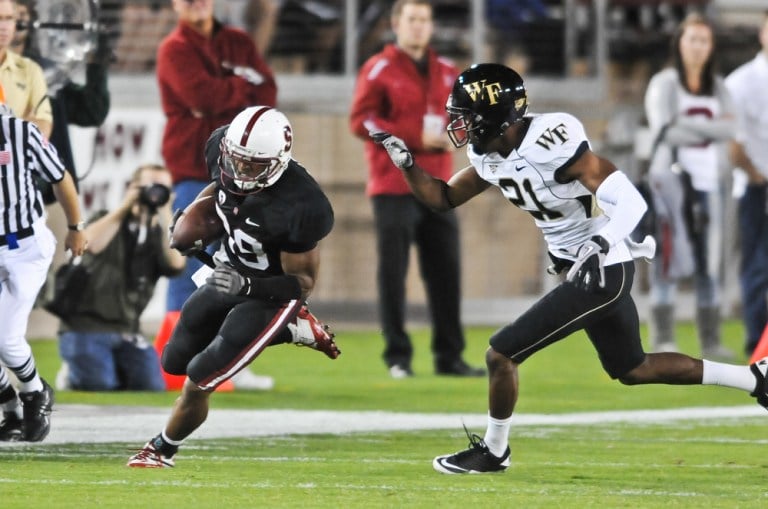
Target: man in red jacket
x: 403, y: 90
x: 207, y: 73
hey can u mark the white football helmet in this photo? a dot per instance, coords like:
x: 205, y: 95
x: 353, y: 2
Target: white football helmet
x: 256, y: 149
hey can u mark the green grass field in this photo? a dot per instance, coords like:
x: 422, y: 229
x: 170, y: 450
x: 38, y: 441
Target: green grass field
x: 688, y: 463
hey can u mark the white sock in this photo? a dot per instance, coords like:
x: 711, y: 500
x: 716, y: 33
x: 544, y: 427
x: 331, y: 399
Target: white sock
x: 34, y: 385
x: 169, y: 441
x: 27, y: 370
x: 728, y: 375
x: 497, y: 435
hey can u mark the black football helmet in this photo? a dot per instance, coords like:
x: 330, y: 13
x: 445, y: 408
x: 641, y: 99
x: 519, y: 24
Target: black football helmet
x: 486, y: 99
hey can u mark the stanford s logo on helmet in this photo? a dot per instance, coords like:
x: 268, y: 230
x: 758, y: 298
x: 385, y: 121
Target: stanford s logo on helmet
x: 256, y: 150
x: 486, y: 99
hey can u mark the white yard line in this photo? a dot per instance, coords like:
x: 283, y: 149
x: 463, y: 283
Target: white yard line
x: 93, y: 424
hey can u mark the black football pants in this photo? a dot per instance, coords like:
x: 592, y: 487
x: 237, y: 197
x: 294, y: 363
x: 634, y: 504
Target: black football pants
x: 218, y: 335
x: 608, y: 316
x: 402, y: 221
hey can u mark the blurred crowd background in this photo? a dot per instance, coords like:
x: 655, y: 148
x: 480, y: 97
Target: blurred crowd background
x: 590, y: 58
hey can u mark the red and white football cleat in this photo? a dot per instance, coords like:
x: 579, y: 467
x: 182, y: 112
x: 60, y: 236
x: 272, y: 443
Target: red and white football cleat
x: 149, y: 457
x: 307, y: 330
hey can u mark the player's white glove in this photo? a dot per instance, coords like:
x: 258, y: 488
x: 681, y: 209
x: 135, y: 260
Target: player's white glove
x: 227, y: 280
x: 588, y: 271
x: 395, y: 147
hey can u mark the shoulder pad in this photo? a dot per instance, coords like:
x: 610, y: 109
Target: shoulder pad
x: 312, y: 220
x: 554, y: 141
x: 212, y: 151
x: 553, y: 135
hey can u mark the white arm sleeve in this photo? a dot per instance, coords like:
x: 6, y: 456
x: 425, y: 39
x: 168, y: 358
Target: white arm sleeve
x: 678, y: 134
x: 716, y: 129
x: 623, y: 204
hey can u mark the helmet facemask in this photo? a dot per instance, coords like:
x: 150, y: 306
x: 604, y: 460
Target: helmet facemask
x: 459, y: 121
x: 248, y: 173
x: 256, y: 150
x: 464, y: 127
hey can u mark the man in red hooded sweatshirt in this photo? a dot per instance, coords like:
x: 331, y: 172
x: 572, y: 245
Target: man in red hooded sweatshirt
x: 207, y: 73
x: 403, y: 90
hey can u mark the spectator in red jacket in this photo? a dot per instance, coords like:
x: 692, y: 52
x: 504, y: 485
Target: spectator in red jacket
x: 207, y: 73
x: 403, y: 90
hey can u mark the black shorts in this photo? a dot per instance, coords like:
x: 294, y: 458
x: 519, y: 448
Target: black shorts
x: 609, y: 317
x: 218, y: 335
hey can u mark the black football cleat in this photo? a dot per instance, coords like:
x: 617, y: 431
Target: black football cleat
x: 458, y: 368
x: 476, y: 459
x: 37, y: 413
x: 11, y: 429
x: 760, y: 393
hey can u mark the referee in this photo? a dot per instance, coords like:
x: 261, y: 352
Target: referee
x: 26, y: 251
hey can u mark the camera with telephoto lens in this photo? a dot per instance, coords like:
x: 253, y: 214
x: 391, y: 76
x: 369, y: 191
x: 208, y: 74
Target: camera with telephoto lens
x: 154, y: 196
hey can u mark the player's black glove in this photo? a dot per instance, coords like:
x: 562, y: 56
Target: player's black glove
x: 102, y: 54
x: 395, y: 147
x: 588, y: 271
x: 227, y: 280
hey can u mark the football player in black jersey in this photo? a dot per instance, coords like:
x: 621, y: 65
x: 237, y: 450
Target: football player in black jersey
x: 274, y: 214
x: 586, y: 209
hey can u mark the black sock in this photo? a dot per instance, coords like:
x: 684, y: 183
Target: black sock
x: 164, y: 447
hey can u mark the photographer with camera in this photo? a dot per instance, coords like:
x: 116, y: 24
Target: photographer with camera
x: 99, y: 338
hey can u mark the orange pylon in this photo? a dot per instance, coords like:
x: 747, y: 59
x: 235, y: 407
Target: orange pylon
x: 761, y: 350
x: 175, y: 382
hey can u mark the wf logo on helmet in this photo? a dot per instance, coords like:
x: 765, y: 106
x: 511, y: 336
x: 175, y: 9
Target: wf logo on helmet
x: 479, y: 89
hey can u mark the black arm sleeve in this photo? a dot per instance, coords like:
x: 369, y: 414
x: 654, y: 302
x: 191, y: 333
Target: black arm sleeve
x: 88, y: 105
x: 278, y: 288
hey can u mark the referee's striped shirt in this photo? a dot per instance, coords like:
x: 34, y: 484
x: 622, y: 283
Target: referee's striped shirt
x: 24, y: 152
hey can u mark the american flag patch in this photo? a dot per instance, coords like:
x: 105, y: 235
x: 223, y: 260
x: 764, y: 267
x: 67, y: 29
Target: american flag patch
x: 5, y: 156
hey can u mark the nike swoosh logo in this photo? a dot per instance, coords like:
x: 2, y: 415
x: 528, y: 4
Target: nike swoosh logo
x: 251, y: 223
x: 518, y: 168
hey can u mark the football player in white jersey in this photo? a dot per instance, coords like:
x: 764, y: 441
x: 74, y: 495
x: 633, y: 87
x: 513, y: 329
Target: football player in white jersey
x: 586, y: 209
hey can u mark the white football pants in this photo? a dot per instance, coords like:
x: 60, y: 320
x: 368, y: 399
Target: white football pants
x: 22, y: 273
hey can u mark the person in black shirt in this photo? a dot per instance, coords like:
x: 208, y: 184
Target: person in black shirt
x: 100, y: 339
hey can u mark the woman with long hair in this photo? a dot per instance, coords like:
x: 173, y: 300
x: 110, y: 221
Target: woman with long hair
x: 690, y: 114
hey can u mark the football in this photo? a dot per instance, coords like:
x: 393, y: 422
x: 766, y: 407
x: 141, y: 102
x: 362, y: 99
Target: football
x: 197, y: 226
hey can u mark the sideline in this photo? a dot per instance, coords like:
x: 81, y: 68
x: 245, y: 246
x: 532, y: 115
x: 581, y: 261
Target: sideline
x: 103, y: 424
